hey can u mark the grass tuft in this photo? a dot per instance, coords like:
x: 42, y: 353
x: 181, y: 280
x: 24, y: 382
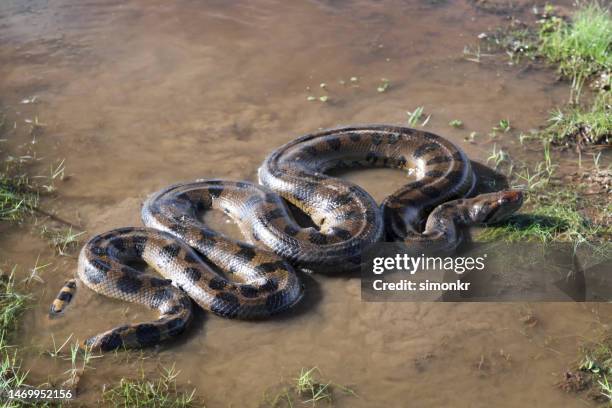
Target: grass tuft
x: 593, y: 370
x: 307, y: 389
x: 63, y: 239
x: 142, y: 392
x: 16, y: 198
x: 581, y: 48
x: 556, y: 213
x: 582, y: 126
x: 12, y: 304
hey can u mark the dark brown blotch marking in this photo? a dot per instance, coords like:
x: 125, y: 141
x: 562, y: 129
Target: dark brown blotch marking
x: 372, y: 157
x: 425, y: 148
x: 434, y: 174
x: 171, y: 251
x: 109, y: 342
x: 139, y: 243
x: 311, y: 150
x: 148, y: 334
x: 190, y: 257
x: 225, y: 304
x: 129, y: 284
x: 159, y: 282
x: 175, y: 326
x: 455, y: 177
x: 269, y: 267
x: 249, y: 291
x: 193, y: 274
x: 65, y: 296
x: 430, y: 191
x: 207, y: 240
x: 438, y: 160
x: 246, y: 252
x: 334, y: 143
x: 275, y: 301
x: 253, y: 201
x: 96, y: 271
x: 290, y: 230
x: 355, y: 137
x: 274, y: 214
x: 161, y: 296
x: 119, y: 244
x: 217, y: 283
x: 98, y: 250
x: 317, y: 238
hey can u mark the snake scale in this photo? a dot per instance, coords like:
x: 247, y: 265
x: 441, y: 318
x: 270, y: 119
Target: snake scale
x: 256, y: 278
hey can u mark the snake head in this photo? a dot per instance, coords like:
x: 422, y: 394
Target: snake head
x: 494, y: 207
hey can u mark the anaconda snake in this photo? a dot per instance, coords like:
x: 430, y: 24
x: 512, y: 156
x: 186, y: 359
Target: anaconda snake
x: 426, y: 214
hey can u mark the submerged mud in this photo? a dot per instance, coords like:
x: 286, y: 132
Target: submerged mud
x: 138, y: 95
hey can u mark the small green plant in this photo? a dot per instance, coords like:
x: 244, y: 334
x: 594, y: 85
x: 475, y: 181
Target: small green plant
x: 78, y: 352
x: 415, y: 116
x: 498, y: 156
x: 16, y: 197
x: 143, y: 392
x: 456, y: 123
x: 307, y: 388
x: 64, y: 240
x: 581, y: 48
x: 12, y: 304
x: 33, y: 275
x: 384, y: 85
x: 582, y: 126
x: 606, y: 388
x: 57, y: 350
x: 504, y: 125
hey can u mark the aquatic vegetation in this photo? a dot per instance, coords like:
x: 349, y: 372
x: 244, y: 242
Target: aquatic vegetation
x: 581, y: 49
x: 307, y: 389
x: 63, y: 239
x: 592, y: 372
x: 415, y: 117
x: 504, y: 125
x: 582, y: 125
x: 552, y: 211
x: 456, y: 123
x: 162, y: 392
x: 12, y: 304
x: 16, y: 197
x: 384, y: 85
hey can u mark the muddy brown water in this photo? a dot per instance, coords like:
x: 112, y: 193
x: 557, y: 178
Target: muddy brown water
x: 135, y: 95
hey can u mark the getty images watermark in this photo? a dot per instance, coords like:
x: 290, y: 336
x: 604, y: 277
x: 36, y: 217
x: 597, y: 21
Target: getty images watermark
x: 486, y: 272
x: 406, y: 264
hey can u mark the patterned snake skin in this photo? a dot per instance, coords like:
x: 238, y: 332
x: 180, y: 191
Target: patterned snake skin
x: 427, y: 214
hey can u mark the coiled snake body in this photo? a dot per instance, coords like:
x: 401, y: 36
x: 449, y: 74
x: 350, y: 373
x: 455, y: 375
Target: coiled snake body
x: 426, y: 214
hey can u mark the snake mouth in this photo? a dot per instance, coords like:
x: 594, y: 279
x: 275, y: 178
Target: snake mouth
x: 512, y: 197
x: 505, y: 204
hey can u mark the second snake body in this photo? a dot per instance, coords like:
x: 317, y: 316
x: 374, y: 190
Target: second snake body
x: 256, y: 278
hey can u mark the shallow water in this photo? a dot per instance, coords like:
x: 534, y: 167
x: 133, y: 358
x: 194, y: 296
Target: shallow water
x: 137, y: 95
